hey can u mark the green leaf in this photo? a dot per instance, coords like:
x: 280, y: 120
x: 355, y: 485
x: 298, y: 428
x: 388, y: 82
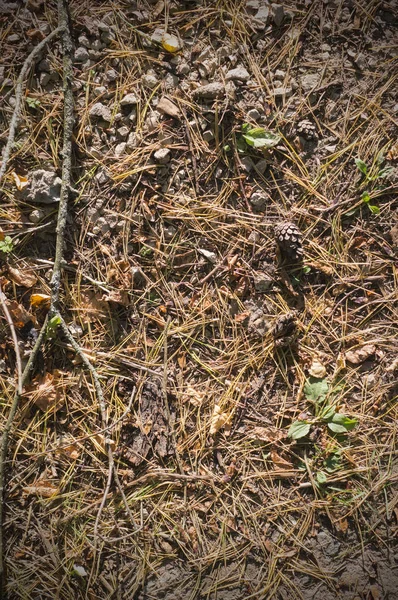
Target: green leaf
x: 298, y: 429
x: 260, y: 138
x: 336, y: 428
x: 315, y: 388
x: 33, y: 102
x: 374, y: 209
x: 365, y: 197
x: 328, y: 413
x: 347, y: 422
x: 6, y: 245
x: 227, y: 148
x: 321, y: 477
x: 306, y: 270
x: 333, y: 462
x: 361, y: 166
x: 385, y: 172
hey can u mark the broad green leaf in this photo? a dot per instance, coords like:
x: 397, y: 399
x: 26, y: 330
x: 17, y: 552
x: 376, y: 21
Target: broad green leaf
x: 333, y: 462
x: 306, y: 270
x: 298, y: 429
x: 315, y: 388
x: 336, y: 428
x: 374, y: 209
x: 321, y: 477
x: 260, y: 138
x: 6, y: 245
x: 385, y: 172
x: 361, y: 166
x: 347, y: 422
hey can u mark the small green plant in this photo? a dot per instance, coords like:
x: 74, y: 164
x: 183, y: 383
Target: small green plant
x: 317, y: 392
x: 33, y: 103
x: 6, y: 245
x: 51, y: 329
x: 371, y: 174
x: 257, y: 138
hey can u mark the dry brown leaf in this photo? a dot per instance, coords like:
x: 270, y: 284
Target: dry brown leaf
x: 266, y: 434
x: 182, y: 360
x: 280, y: 462
x: 45, y: 391
x: 24, y: 278
x: 218, y: 419
x: 42, y: 487
x: 66, y: 450
x: 317, y: 369
x: 359, y: 355
x: 20, y: 316
x: 117, y: 296
x: 20, y: 181
x: 40, y: 300
x: 91, y: 307
x: 192, y: 395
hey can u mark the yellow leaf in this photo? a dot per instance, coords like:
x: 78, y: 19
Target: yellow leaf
x: 40, y: 300
x: 218, y: 419
x: 20, y: 181
x: 170, y: 43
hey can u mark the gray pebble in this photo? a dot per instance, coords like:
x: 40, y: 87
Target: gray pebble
x: 211, y: 91
x: 101, y: 110
x: 81, y: 55
x: 129, y: 99
x: 162, y: 156
x: 238, y: 74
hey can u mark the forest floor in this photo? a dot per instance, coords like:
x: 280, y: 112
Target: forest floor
x: 251, y: 400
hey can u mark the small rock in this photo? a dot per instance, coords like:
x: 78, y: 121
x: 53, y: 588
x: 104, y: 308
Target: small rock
x: 246, y: 164
x: 44, y: 187
x: 261, y: 166
x: 183, y: 68
x: 81, y: 55
x: 309, y: 82
x: 101, y: 111
x: 162, y: 156
x: 44, y: 65
x: 101, y: 177
x: 278, y: 14
x: 262, y: 282
x: 208, y: 135
x: 14, y: 37
x: 258, y: 201
x: 129, y: 100
x: 138, y: 277
x: 100, y: 90
x: 44, y: 79
x: 254, y: 114
x: 281, y: 92
x: 261, y: 17
x: 360, y: 62
x: 280, y: 75
x: 132, y: 141
x: 150, y: 80
x: 171, y: 81
x: 102, y: 225
x: 238, y: 74
x: 168, y: 107
x: 36, y: 215
x: 169, y: 232
x: 211, y: 91
x: 152, y: 121
x: 122, y: 132
x: 111, y: 75
x: 84, y: 41
x: 211, y: 256
x: 120, y: 148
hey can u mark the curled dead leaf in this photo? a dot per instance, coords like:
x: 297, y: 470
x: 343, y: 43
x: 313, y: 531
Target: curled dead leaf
x: 218, y: 419
x: 20, y: 181
x: 193, y: 395
x: 24, y: 278
x: 20, y: 316
x: 280, y: 462
x: 317, y: 369
x: 42, y: 487
x: 266, y: 434
x: 117, y: 296
x: 47, y: 391
x: 359, y: 355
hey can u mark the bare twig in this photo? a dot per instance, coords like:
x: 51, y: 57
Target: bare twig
x: 18, y: 96
x: 14, y: 339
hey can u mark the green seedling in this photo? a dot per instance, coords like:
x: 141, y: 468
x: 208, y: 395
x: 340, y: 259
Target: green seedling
x: 33, y: 103
x: 317, y: 392
x: 52, y: 326
x: 257, y: 138
x: 6, y: 245
x: 371, y: 174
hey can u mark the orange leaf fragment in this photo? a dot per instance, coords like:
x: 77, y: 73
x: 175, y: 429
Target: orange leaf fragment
x: 20, y: 181
x: 40, y: 301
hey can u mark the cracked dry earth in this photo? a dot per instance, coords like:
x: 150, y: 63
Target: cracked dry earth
x: 204, y: 128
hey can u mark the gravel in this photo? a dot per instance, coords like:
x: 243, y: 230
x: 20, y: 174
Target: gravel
x: 101, y: 111
x: 238, y: 74
x: 211, y: 91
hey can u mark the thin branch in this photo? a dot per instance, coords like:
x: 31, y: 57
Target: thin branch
x: 18, y: 97
x: 14, y: 339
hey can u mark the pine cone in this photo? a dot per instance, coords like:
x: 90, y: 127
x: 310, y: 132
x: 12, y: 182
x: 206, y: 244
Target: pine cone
x: 289, y: 238
x: 284, y: 330
x: 307, y: 130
